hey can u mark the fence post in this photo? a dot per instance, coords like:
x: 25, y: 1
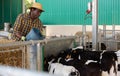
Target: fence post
x: 32, y: 56
x: 40, y: 56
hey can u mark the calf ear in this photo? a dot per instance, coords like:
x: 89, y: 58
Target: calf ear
x: 74, y: 51
x: 68, y: 56
x: 49, y: 67
x: 50, y: 62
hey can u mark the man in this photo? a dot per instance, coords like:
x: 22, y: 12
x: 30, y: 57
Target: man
x: 27, y: 21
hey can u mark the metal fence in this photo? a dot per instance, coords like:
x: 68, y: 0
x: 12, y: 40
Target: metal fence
x: 30, y: 54
x: 111, y: 38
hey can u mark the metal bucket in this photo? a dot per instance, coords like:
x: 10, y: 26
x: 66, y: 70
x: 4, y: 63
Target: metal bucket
x: 6, y: 26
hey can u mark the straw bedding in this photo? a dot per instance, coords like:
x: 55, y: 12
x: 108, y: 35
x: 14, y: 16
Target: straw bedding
x: 11, y: 56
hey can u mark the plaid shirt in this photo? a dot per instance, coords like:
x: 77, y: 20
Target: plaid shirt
x: 24, y: 24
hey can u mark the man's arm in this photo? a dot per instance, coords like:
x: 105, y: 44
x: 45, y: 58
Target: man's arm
x: 18, y: 26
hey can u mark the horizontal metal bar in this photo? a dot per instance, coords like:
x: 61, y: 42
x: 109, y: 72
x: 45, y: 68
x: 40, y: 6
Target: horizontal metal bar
x: 23, y: 43
x: 111, y: 40
x: 109, y: 30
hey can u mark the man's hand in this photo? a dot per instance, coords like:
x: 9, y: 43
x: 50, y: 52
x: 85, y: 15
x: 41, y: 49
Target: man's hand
x: 18, y: 34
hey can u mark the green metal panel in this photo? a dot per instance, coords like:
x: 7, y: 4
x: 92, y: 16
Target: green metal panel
x: 109, y: 12
x: 16, y: 9
x: 73, y: 12
x: 116, y: 10
x: 64, y: 11
x: 9, y: 11
x: 0, y: 14
x: 6, y: 10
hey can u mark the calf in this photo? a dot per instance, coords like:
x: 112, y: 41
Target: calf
x: 85, y: 67
x: 107, y: 59
x: 62, y: 70
x: 92, y: 68
x: 84, y: 55
x: 48, y: 59
x: 109, y: 63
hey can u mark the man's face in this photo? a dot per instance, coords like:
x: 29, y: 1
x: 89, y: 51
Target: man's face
x: 36, y: 13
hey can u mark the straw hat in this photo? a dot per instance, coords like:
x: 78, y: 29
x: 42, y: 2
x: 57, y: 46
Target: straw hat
x: 38, y: 6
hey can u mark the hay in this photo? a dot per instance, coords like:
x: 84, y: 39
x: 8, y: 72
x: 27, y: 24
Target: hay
x: 4, y: 40
x: 12, y: 56
x: 80, y: 34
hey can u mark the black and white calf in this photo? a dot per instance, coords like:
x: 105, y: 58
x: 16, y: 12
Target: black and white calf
x: 105, y: 61
x: 108, y: 62
x: 85, y: 67
x: 62, y: 70
x: 88, y: 63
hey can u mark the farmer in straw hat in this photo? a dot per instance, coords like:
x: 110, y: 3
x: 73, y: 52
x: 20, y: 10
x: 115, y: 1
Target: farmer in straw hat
x: 25, y: 22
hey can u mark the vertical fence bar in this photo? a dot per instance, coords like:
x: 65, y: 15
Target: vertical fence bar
x: 32, y: 54
x: 95, y: 24
x: 84, y: 36
x: 23, y: 57
x: 104, y: 34
x: 113, y: 36
x: 113, y: 31
x: 39, y: 57
x: 100, y: 39
x: 104, y: 31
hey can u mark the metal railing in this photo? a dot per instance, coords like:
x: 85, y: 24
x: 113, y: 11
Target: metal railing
x: 32, y: 52
x: 110, y: 38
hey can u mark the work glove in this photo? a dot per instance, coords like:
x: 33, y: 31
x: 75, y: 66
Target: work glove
x: 23, y: 38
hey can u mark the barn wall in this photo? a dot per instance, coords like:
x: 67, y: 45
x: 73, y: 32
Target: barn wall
x: 9, y: 9
x: 73, y: 12
x: 52, y: 30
